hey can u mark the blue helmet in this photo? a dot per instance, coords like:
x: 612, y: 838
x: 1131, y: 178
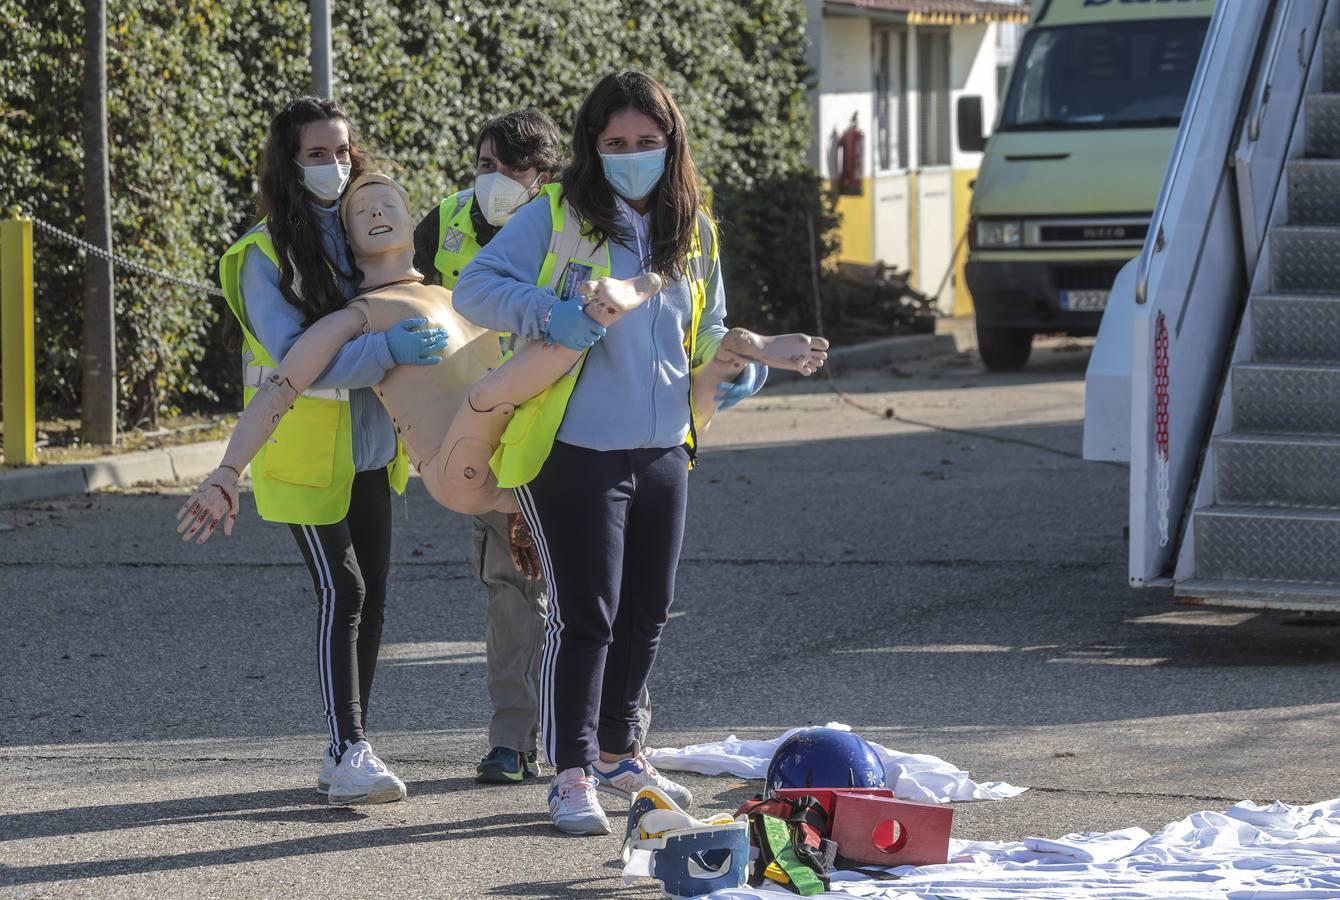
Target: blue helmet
x: 824, y: 758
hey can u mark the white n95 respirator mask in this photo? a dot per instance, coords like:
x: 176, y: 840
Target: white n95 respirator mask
x: 500, y: 196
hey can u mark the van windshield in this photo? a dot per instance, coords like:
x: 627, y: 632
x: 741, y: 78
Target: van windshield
x: 1113, y: 75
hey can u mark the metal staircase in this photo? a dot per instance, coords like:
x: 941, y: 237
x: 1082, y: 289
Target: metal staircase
x: 1230, y: 321
x: 1264, y: 528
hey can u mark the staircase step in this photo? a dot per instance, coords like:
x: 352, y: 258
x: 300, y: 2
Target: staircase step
x: 1322, y: 117
x: 1304, y: 259
x: 1286, y: 398
x: 1296, y: 328
x: 1330, y: 61
x: 1268, y: 544
x: 1277, y: 470
x: 1314, y: 191
x: 1252, y: 594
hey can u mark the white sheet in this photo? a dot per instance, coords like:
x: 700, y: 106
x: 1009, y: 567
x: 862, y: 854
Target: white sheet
x: 1249, y: 852
x: 912, y: 776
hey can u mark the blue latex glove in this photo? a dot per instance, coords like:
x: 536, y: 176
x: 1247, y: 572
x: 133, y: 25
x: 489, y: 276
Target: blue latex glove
x: 411, y: 347
x: 746, y: 384
x: 570, y: 326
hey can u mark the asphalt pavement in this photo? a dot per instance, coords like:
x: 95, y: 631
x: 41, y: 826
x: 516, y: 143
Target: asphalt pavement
x: 928, y: 560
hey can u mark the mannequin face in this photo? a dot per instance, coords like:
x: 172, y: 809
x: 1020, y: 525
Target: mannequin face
x: 377, y: 221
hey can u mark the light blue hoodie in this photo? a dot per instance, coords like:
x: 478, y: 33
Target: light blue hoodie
x: 634, y: 388
x: 361, y: 363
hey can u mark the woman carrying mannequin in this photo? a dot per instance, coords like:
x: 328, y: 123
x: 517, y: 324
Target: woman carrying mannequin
x: 329, y: 477
x: 600, y: 460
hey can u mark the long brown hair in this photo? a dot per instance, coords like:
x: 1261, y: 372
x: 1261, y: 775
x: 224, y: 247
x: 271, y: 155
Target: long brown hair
x: 284, y: 202
x: 674, y: 202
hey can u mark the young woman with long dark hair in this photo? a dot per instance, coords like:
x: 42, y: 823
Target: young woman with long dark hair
x: 331, y: 464
x: 600, y: 460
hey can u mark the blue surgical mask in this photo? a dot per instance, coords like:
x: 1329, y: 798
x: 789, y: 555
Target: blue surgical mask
x: 634, y: 175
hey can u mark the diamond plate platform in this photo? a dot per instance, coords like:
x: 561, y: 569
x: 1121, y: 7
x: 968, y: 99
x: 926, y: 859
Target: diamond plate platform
x: 1296, y: 328
x: 1277, y: 470
x: 1268, y: 544
x: 1304, y: 259
x: 1286, y: 398
x: 1322, y: 118
x: 1314, y: 191
x: 1251, y: 594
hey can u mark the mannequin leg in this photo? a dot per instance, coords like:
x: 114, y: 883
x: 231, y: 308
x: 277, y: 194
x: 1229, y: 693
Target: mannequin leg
x: 792, y: 352
x: 459, y: 476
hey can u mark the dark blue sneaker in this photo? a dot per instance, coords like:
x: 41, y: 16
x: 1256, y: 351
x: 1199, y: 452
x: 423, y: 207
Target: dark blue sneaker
x: 531, y: 765
x: 503, y: 765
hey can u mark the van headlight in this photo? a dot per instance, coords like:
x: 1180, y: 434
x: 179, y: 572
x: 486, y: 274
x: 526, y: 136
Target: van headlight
x: 1000, y: 234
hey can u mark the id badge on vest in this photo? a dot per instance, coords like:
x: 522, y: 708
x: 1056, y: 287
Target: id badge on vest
x: 574, y: 274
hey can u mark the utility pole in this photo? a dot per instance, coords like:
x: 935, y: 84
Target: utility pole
x: 322, y: 79
x: 98, y: 391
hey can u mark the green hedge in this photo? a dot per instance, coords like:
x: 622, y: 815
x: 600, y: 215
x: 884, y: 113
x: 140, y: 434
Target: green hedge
x: 192, y: 86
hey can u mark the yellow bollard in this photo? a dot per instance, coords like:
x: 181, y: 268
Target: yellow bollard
x: 17, y: 371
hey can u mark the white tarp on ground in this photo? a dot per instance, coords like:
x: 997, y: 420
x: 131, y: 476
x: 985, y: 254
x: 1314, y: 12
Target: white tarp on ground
x: 912, y: 776
x: 1249, y: 852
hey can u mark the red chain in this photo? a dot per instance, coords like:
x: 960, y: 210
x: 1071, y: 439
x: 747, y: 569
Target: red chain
x: 1161, y: 388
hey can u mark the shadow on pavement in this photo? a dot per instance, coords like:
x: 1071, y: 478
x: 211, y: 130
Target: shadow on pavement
x: 294, y: 805
x: 504, y: 825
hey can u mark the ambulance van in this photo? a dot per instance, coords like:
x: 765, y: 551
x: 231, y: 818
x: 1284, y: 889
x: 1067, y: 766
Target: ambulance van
x: 1072, y: 171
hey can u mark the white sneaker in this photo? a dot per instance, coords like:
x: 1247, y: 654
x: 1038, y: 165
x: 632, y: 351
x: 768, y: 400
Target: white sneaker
x: 327, y: 772
x: 628, y: 776
x: 573, y: 804
x: 363, y: 778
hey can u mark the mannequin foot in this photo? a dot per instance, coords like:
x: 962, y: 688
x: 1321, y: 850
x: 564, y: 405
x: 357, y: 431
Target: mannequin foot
x: 794, y: 352
x: 607, y: 299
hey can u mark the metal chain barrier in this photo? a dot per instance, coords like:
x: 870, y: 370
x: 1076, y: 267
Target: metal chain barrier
x: 121, y: 261
x: 1161, y: 424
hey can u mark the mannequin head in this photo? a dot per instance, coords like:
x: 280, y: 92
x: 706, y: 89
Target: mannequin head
x: 376, y: 216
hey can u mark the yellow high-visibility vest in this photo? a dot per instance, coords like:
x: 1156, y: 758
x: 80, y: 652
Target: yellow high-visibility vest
x: 457, y: 241
x: 530, y: 435
x: 304, y: 474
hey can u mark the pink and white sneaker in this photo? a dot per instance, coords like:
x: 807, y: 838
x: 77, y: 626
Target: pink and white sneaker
x: 628, y: 776
x: 573, y: 805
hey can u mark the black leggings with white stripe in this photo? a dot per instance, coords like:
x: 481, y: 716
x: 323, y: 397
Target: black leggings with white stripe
x: 608, y: 525
x: 349, y: 562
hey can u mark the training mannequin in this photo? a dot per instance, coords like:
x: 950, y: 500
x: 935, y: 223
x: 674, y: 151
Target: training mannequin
x: 450, y: 416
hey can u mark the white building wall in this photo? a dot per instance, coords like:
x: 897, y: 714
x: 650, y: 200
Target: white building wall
x: 846, y: 86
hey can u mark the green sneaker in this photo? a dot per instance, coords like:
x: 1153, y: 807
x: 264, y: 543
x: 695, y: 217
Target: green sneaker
x: 531, y: 765
x: 503, y: 765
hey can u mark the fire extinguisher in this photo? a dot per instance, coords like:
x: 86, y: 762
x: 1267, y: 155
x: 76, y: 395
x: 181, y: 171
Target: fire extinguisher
x: 850, y: 149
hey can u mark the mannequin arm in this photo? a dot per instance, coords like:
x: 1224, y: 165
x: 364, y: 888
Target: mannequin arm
x: 216, y: 499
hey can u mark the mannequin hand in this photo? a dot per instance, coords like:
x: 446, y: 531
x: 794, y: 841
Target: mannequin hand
x: 213, y: 502
x: 746, y: 384
x: 524, y: 555
x: 570, y: 326
x: 411, y: 347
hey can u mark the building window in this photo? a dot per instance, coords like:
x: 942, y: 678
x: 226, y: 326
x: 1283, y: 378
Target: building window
x: 890, y: 58
x: 933, y: 84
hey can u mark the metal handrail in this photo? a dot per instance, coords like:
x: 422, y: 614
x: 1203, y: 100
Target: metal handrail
x: 1268, y: 74
x: 1156, y: 242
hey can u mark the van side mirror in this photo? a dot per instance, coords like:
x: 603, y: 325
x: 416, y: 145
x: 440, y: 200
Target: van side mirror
x: 970, y: 136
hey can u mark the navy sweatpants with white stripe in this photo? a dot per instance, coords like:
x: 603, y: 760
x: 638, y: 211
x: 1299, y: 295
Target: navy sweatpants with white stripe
x: 349, y: 562
x: 609, y: 525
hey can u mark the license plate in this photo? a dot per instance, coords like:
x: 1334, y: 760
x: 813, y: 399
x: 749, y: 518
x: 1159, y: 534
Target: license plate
x: 1084, y: 301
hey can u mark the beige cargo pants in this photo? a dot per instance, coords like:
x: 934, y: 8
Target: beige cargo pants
x: 514, y: 640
